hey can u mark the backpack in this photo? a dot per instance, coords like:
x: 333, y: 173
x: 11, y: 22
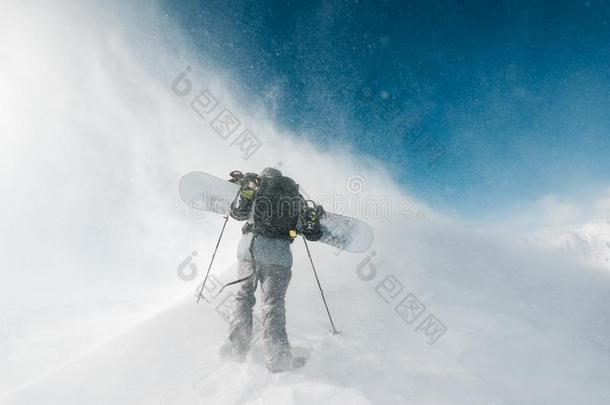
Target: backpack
x: 276, y: 208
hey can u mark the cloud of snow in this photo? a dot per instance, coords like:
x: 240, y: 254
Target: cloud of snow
x: 556, y: 210
x: 602, y: 205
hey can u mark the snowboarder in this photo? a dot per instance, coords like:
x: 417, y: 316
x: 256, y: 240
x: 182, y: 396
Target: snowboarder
x: 275, y: 213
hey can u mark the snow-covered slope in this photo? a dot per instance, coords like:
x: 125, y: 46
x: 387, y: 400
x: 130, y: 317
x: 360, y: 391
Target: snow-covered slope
x: 590, y: 242
x: 521, y: 329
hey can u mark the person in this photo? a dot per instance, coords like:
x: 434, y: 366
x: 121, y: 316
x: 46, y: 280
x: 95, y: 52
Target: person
x: 275, y: 213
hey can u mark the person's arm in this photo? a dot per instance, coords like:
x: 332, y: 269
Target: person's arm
x: 241, y: 207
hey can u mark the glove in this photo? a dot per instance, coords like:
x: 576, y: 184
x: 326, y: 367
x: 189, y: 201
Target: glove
x: 248, y: 183
x: 247, y: 192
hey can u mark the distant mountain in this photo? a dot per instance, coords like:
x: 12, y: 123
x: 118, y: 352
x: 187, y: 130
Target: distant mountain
x: 590, y: 243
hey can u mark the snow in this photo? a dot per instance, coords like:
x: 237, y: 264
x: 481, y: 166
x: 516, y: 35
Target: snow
x: 521, y: 328
x: 105, y: 153
x: 589, y: 242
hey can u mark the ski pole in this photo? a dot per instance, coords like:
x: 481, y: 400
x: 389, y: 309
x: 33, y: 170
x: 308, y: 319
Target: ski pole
x: 212, y: 260
x: 315, y: 273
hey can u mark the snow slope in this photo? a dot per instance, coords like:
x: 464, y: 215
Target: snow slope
x: 521, y: 329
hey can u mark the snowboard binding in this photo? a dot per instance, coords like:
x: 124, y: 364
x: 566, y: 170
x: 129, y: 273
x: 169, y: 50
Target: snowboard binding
x: 309, y: 225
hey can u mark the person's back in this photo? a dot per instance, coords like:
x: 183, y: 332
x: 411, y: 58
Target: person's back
x: 272, y: 213
x: 271, y: 205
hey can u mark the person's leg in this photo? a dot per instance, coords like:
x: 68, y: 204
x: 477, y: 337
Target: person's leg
x: 274, y: 283
x: 240, y: 327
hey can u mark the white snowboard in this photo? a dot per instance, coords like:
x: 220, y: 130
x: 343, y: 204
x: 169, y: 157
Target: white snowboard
x: 202, y: 191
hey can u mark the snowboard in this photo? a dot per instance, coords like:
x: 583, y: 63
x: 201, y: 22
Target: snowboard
x: 204, y: 192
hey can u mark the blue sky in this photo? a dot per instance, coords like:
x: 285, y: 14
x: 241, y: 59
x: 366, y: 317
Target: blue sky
x: 476, y: 106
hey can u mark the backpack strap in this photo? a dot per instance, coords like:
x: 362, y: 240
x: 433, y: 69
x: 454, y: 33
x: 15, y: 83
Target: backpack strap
x: 254, y: 272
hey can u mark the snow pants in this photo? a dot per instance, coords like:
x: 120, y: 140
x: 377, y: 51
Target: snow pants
x: 273, y: 281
